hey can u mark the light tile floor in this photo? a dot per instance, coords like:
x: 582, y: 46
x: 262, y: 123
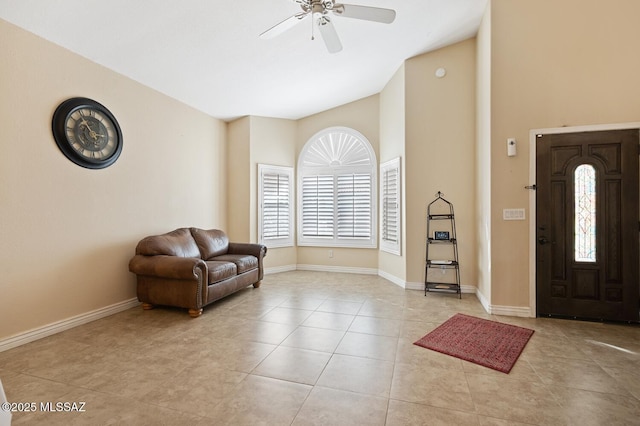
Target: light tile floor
x: 314, y: 348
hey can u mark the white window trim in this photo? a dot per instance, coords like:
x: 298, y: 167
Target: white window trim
x: 280, y: 171
x: 387, y: 245
x: 330, y: 169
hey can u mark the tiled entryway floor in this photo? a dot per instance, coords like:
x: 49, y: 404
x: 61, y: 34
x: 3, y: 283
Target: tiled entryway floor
x: 315, y: 348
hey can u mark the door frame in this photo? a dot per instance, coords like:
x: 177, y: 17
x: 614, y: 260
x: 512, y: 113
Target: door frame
x: 533, y: 152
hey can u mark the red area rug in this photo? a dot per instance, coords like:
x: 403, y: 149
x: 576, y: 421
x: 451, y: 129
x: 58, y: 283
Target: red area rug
x: 483, y: 342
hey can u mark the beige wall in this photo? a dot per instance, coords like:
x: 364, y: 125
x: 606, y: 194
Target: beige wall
x: 239, y: 180
x: 392, y: 138
x: 67, y: 232
x: 363, y: 116
x: 440, y: 151
x: 272, y: 142
x: 553, y: 64
x: 254, y: 140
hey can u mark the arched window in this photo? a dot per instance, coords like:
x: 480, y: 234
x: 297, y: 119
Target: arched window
x: 336, y: 190
x: 584, y: 180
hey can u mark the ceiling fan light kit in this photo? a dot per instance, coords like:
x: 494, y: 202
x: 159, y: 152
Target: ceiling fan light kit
x: 320, y: 10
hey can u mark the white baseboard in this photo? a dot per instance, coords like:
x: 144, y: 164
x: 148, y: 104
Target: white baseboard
x: 483, y: 301
x: 66, y: 324
x: 343, y: 269
x: 397, y: 281
x: 59, y: 326
x: 414, y: 286
x: 466, y: 289
x: 511, y: 311
x: 279, y: 269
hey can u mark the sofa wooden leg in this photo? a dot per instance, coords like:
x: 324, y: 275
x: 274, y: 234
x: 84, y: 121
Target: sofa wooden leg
x: 195, y: 313
x: 256, y: 285
x: 147, y: 306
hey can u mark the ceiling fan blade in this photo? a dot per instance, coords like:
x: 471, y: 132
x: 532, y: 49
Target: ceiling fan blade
x: 376, y: 14
x: 329, y: 35
x: 283, y: 26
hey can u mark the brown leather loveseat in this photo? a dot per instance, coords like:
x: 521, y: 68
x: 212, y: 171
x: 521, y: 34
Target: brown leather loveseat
x: 191, y: 267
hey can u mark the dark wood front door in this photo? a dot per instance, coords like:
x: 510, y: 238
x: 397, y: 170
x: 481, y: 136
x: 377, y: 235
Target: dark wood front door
x: 587, y: 225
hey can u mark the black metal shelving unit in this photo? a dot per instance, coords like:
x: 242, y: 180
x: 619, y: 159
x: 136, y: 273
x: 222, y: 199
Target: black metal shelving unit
x: 442, y: 249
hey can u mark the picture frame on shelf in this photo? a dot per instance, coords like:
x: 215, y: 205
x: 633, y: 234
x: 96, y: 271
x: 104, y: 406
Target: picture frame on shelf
x: 441, y: 235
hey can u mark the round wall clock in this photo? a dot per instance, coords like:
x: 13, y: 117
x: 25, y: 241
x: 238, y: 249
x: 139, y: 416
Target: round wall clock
x: 87, y: 133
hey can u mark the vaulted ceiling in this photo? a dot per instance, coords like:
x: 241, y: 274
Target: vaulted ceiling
x: 208, y: 54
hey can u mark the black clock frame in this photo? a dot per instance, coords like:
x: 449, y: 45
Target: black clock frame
x: 60, y: 117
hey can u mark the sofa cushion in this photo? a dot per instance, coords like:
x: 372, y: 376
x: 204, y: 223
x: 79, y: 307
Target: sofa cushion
x: 212, y: 242
x: 244, y: 262
x: 219, y: 271
x: 175, y: 243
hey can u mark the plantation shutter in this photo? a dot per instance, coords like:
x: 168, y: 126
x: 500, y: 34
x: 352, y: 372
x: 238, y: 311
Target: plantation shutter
x: 337, y: 191
x: 276, y: 206
x: 318, y: 206
x: 390, y: 206
x: 276, y: 210
x: 354, y: 206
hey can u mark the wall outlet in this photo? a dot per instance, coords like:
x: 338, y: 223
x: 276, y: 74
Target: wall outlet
x: 330, y: 254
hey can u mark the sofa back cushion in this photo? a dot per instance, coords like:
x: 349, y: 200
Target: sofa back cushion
x: 212, y: 242
x: 175, y: 243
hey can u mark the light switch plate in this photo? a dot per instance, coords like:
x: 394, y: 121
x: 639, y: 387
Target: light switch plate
x: 513, y: 214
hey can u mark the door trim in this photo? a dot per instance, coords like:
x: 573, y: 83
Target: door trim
x: 533, y: 151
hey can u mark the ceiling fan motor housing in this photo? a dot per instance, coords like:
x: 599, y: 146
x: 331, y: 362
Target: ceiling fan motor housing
x: 316, y: 6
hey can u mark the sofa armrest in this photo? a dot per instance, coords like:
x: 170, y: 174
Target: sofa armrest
x: 257, y: 250
x: 169, y: 267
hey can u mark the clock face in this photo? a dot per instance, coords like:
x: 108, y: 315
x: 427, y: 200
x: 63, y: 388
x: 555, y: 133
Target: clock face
x: 91, y: 134
x: 87, y: 133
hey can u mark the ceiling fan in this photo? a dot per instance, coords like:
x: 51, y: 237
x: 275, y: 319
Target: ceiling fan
x: 321, y: 11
